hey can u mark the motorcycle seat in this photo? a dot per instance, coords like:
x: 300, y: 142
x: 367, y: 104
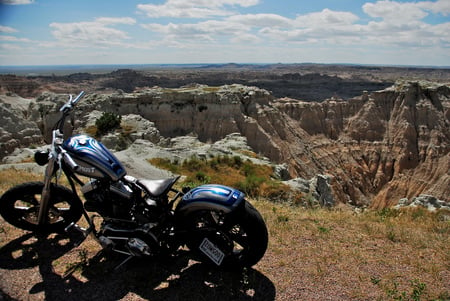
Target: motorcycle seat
x: 157, y: 188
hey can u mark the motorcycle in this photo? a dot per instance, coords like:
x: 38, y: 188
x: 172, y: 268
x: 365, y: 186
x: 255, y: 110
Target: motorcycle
x: 138, y: 217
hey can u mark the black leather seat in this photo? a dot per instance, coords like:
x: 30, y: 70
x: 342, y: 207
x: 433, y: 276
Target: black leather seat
x: 157, y: 187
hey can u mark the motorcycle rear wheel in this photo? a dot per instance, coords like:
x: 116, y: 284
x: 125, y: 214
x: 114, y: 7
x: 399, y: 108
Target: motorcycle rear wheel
x: 242, y: 237
x: 19, y: 206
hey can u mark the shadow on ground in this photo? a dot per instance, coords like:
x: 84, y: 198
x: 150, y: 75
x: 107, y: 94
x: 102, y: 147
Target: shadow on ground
x: 170, y: 278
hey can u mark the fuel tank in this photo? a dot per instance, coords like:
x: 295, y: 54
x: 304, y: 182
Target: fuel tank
x: 94, y: 160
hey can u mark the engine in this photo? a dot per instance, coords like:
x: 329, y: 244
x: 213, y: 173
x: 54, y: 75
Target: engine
x: 111, y: 200
x: 131, y: 224
x: 118, y: 201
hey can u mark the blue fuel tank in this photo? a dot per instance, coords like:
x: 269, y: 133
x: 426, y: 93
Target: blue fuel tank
x: 94, y: 160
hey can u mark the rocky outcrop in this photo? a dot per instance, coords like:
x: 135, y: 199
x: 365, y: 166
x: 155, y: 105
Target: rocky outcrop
x: 12, y: 84
x: 211, y: 113
x: 16, y: 130
x: 375, y: 149
x: 380, y: 147
x: 426, y: 201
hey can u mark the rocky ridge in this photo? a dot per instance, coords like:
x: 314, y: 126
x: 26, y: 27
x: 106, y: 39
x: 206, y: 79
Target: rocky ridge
x: 372, y: 150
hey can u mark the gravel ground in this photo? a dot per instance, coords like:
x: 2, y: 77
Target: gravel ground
x: 50, y: 268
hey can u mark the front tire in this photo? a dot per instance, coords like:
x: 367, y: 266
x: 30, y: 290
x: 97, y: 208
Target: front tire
x: 19, y: 206
x: 242, y: 236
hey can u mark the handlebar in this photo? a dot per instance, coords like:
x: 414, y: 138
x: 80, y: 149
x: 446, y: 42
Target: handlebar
x: 65, y: 109
x: 71, y: 103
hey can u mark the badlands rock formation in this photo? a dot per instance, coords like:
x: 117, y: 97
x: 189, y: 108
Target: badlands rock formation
x: 375, y: 149
x: 380, y: 147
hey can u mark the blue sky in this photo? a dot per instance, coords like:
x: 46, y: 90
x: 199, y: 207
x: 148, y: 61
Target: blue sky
x: 63, y: 32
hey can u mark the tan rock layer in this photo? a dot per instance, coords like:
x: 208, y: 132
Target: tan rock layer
x: 378, y: 148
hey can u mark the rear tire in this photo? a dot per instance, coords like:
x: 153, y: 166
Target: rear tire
x: 242, y: 236
x: 19, y: 206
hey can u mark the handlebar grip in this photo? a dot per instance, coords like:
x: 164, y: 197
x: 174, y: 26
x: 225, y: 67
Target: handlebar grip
x: 78, y: 98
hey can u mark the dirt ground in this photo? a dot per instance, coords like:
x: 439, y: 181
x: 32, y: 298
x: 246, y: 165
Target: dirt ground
x: 51, y: 268
x: 307, y: 266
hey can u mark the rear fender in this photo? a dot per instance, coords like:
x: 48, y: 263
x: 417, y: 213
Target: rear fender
x: 210, y: 197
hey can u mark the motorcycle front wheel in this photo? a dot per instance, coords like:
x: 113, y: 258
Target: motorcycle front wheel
x: 229, y: 242
x: 19, y: 206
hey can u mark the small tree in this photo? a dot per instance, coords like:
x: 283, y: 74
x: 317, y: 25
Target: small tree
x: 107, y: 122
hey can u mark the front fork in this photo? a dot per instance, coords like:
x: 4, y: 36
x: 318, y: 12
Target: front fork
x: 45, y: 202
x: 45, y: 195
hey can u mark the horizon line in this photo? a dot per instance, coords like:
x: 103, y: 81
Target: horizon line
x: 221, y: 64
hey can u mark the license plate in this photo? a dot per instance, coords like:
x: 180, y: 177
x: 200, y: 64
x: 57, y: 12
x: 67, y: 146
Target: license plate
x: 212, y: 251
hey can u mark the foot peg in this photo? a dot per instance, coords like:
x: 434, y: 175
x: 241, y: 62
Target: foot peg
x: 106, y: 243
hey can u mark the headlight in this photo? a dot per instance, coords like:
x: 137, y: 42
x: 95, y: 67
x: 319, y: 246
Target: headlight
x: 41, y: 157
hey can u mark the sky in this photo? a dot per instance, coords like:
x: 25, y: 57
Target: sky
x: 73, y: 32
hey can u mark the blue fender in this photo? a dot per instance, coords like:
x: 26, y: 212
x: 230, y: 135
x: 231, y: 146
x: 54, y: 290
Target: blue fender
x: 210, y: 197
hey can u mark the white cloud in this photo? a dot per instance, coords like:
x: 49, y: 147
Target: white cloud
x: 218, y: 3
x: 397, y: 31
x: 326, y: 26
x: 236, y: 29
x: 326, y: 18
x: 111, y: 21
x: 10, y: 47
x: 400, y: 25
x: 193, y: 8
x: 16, y: 2
x: 13, y: 39
x: 95, y: 33
x: 246, y: 38
x: 395, y: 12
x: 438, y: 7
x: 403, y: 25
x: 261, y: 20
x: 203, y: 31
x: 7, y: 29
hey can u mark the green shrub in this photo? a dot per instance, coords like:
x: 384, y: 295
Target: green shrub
x: 107, y: 122
x: 193, y: 164
x: 251, y: 185
x: 202, y: 177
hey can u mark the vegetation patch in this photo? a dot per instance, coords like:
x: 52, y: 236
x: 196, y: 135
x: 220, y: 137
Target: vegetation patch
x: 253, y: 179
x: 107, y: 123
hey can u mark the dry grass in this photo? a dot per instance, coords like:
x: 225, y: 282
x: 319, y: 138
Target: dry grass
x: 375, y: 255
x: 253, y: 179
x: 11, y: 177
x: 313, y: 254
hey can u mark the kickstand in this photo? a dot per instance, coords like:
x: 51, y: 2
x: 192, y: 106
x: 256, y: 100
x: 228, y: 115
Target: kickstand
x: 123, y: 262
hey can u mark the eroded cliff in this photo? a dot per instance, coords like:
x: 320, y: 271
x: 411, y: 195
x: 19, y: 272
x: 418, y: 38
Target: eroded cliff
x: 377, y: 148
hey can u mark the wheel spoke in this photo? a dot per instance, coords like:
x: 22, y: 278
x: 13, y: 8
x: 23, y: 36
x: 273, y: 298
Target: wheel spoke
x: 27, y: 209
x: 239, y: 238
x: 66, y: 209
x: 31, y: 199
x: 22, y: 208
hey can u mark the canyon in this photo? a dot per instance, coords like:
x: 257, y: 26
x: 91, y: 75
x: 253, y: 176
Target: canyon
x: 375, y: 148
